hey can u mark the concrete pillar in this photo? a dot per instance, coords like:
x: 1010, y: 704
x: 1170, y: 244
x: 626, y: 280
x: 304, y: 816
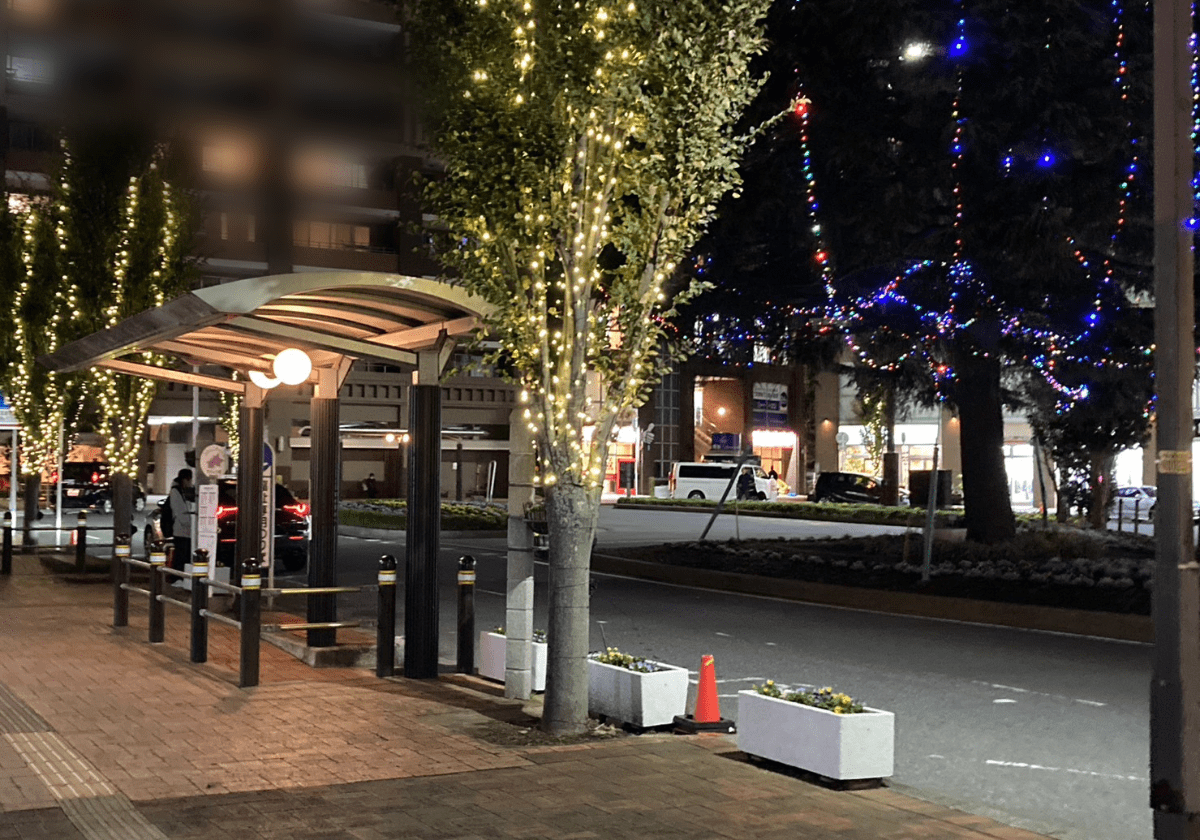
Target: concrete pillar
x: 826, y: 411
x: 325, y: 467
x: 518, y: 615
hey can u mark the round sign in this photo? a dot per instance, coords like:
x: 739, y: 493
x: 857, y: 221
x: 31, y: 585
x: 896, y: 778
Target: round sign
x: 214, y: 461
x: 842, y: 438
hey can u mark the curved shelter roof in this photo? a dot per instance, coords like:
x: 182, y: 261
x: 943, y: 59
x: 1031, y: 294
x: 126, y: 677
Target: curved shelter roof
x: 333, y: 316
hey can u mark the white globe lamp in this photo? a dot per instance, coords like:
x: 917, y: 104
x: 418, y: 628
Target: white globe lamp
x: 262, y: 380
x: 292, y: 366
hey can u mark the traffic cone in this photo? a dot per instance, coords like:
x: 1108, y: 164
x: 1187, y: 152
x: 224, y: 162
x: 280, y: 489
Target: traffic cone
x: 708, y: 706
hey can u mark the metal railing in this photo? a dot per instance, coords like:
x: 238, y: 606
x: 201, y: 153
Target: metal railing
x: 249, y: 598
x: 79, y: 537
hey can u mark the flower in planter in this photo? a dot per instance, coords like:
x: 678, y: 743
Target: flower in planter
x: 822, y: 698
x: 612, y: 656
x: 539, y: 636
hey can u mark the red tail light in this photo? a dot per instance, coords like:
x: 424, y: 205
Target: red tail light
x: 225, y: 510
x: 95, y: 478
x: 300, y: 508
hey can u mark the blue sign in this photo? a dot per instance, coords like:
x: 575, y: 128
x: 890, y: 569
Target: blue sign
x: 727, y: 441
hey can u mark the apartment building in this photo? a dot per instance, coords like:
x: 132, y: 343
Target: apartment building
x: 296, y: 124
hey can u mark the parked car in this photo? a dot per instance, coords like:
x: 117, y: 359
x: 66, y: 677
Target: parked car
x: 86, y: 484
x: 1139, y: 502
x: 292, y: 523
x: 708, y: 480
x: 851, y: 488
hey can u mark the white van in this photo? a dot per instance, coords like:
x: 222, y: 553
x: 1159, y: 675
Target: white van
x: 708, y: 480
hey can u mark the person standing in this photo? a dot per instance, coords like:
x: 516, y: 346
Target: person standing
x: 181, y: 501
x: 746, y: 488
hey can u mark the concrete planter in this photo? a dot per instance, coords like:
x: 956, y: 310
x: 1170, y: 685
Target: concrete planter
x: 846, y: 747
x: 633, y: 697
x: 492, y: 647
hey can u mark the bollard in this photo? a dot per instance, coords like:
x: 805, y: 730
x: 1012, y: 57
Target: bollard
x: 81, y: 542
x: 158, y: 559
x: 199, y: 604
x: 466, y: 614
x: 385, y: 633
x: 6, y: 563
x: 251, y: 621
x: 120, y: 576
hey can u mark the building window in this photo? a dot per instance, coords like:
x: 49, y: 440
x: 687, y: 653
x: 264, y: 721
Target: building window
x: 328, y: 235
x: 330, y: 169
x: 230, y: 159
x: 23, y: 68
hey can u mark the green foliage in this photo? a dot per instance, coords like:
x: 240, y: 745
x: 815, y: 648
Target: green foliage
x: 612, y: 656
x: 822, y: 698
x: 109, y: 240
x: 825, y: 511
x: 586, y: 147
x: 393, y: 514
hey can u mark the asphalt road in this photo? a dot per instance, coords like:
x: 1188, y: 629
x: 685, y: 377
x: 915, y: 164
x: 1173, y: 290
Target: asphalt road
x: 1044, y: 731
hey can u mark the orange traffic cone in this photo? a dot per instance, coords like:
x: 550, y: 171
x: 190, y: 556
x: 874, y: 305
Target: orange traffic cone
x: 708, y: 706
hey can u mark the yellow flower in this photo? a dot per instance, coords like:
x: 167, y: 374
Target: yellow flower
x: 770, y: 682
x: 837, y: 710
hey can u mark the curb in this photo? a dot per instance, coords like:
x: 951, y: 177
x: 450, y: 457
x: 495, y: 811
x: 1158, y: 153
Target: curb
x: 775, y: 514
x: 1119, y: 626
x: 396, y: 534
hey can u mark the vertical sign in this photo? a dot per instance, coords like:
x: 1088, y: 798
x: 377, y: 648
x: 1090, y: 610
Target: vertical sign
x: 206, y: 519
x: 267, y: 535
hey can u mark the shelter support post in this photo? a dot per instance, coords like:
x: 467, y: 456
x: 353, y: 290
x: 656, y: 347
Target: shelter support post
x: 249, y: 488
x: 424, y: 523
x: 325, y: 469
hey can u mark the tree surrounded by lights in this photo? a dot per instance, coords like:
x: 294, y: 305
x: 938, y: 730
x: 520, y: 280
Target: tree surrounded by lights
x: 986, y: 218
x: 586, y: 146
x: 109, y: 240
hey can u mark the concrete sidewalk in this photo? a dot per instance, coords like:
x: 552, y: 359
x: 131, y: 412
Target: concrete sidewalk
x: 107, y: 736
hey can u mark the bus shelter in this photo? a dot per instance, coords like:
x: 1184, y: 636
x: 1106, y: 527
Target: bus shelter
x: 335, y: 318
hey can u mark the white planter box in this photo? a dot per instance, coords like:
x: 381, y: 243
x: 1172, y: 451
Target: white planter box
x: 633, y: 697
x: 857, y: 746
x: 492, y: 648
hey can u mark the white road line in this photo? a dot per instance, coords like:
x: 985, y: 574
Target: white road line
x: 726, y: 635
x: 1038, y: 693
x: 935, y: 755
x: 1026, y: 766
x: 1004, y: 700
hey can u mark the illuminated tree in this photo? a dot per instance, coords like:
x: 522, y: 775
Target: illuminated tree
x: 586, y: 145
x: 108, y: 241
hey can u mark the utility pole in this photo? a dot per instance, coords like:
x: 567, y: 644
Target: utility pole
x: 1175, y: 686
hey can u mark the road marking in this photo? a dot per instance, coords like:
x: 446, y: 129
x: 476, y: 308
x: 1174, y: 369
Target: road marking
x: 734, y: 680
x: 1004, y: 700
x: 770, y: 644
x: 1038, y: 693
x: 726, y: 635
x: 935, y: 755
x: 1027, y: 766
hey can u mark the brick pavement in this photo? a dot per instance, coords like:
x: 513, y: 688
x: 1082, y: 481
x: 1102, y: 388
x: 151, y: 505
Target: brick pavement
x: 103, y: 735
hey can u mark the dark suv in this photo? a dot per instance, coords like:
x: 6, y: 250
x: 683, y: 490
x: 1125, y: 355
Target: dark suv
x: 853, y: 488
x: 86, y: 484
x: 291, y: 526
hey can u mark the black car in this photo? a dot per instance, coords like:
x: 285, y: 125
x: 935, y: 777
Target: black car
x: 850, y: 488
x: 85, y: 484
x: 291, y: 526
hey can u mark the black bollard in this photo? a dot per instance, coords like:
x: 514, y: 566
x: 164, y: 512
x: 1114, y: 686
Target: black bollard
x: 466, y: 614
x: 158, y: 559
x: 199, y: 605
x: 251, y: 621
x: 6, y: 562
x: 120, y: 576
x: 81, y: 542
x: 385, y: 634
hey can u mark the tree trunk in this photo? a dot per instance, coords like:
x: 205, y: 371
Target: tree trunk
x: 33, y: 489
x: 122, y: 502
x: 571, y: 514
x: 1101, y: 488
x: 989, y: 515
